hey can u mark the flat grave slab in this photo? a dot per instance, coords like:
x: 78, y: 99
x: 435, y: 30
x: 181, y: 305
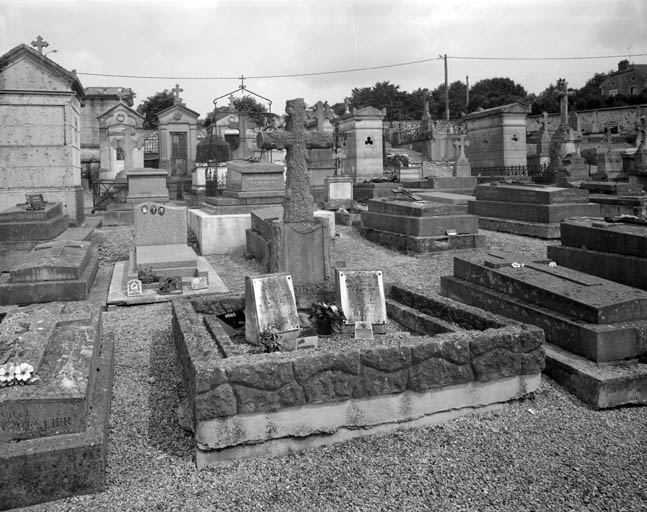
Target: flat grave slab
x: 600, y: 320
x: 121, y: 274
x: 54, y: 271
x: 528, y: 193
x: 53, y: 432
x: 443, y: 197
x: 532, y: 212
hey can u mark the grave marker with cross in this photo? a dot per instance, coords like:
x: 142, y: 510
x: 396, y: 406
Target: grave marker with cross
x: 128, y: 143
x: 563, y: 93
x: 298, y: 204
x: 462, y: 166
x: 39, y: 43
x: 176, y: 93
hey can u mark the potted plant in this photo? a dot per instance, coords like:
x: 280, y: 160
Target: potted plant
x: 328, y: 317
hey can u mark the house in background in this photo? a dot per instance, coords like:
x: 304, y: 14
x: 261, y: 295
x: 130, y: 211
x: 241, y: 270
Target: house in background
x: 629, y: 80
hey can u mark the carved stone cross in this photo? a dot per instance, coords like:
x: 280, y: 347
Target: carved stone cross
x: 129, y: 143
x: 176, y: 93
x: 298, y: 204
x: 39, y: 43
x: 563, y: 94
x: 545, y: 121
x: 320, y: 115
x: 461, y: 144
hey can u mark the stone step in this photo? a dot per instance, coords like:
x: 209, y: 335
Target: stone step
x: 588, y: 298
x: 532, y: 212
x: 606, y: 342
x: 600, y: 385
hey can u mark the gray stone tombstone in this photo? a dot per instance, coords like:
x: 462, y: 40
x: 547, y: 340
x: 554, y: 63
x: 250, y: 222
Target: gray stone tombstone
x: 360, y: 293
x: 270, y: 303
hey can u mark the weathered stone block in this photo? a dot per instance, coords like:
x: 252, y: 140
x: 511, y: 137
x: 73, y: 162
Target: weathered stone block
x: 534, y: 194
x: 532, y: 212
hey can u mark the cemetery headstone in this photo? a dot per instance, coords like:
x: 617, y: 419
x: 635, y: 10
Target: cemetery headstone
x: 360, y: 294
x: 462, y: 167
x: 270, y: 304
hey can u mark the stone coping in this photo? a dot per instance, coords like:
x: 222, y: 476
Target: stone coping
x: 220, y: 387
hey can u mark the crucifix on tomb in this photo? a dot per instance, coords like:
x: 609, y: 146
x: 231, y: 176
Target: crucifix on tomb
x: 462, y: 166
x: 128, y: 144
x: 298, y: 204
x: 39, y: 43
x: 176, y: 94
x: 563, y: 93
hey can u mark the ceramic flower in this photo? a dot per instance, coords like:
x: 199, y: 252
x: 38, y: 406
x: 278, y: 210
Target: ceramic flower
x: 23, y: 372
x: 7, y: 374
x: 552, y: 264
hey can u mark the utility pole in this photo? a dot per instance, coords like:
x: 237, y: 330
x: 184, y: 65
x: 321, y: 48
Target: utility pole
x: 444, y: 57
x: 467, y: 93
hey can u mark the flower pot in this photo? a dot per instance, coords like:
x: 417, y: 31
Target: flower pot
x: 323, y: 326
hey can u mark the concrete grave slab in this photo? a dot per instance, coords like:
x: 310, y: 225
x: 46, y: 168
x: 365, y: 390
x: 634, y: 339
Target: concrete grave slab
x: 60, y: 421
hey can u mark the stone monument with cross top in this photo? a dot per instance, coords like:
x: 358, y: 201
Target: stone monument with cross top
x: 566, y: 162
x: 462, y: 166
x: 299, y: 244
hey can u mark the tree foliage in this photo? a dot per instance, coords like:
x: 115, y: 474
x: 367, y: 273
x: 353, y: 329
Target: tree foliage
x: 546, y: 101
x: 213, y: 149
x: 400, y: 105
x: 494, y: 92
x: 457, y: 96
x: 255, y: 110
x: 153, y: 105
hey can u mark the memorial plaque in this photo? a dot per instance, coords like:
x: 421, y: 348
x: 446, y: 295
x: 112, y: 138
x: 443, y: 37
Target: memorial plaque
x: 35, y: 201
x: 360, y: 293
x: 134, y: 288
x: 270, y: 303
x: 160, y: 225
x: 200, y: 283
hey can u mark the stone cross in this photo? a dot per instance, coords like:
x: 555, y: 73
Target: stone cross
x: 298, y: 204
x: 40, y: 43
x: 563, y: 94
x: 129, y: 143
x: 320, y: 115
x: 232, y: 108
x: 176, y: 93
x: 545, y: 121
x: 120, y: 93
x: 460, y: 144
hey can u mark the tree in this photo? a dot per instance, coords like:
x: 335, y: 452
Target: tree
x: 494, y: 92
x: 213, y: 149
x: 590, y: 96
x: 457, y: 93
x: 255, y: 110
x: 153, y: 105
x: 546, y: 101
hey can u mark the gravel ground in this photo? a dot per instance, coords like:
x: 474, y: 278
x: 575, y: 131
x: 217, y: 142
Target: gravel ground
x: 546, y: 453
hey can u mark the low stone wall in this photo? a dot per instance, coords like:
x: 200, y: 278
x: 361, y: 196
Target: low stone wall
x: 308, y: 391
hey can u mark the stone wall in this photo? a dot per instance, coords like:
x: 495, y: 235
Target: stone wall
x: 594, y: 121
x: 220, y: 387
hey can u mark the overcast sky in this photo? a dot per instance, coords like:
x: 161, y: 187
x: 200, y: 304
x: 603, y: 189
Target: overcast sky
x: 230, y: 38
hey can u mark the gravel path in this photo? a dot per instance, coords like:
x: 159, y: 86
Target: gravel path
x: 546, y: 453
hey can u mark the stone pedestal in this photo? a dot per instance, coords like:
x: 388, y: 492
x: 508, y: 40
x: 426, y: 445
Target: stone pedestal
x: 255, y: 182
x: 594, y: 327
x: 299, y: 249
x: 19, y: 224
x: 531, y: 210
x: 420, y: 226
x: 53, y: 433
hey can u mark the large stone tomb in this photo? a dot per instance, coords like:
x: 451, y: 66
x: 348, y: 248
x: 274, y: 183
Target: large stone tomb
x: 59, y: 270
x: 19, y: 224
x: 53, y: 432
x: 615, y: 251
x: 617, y: 198
x: 255, y: 182
x: 245, y: 405
x: 146, y: 185
x: 270, y: 304
x: 299, y: 249
x: 360, y: 294
x: 420, y: 226
x: 596, y: 330
x: 531, y: 210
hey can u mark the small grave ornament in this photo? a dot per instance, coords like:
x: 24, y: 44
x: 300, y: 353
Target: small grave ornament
x: 134, y: 288
x: 35, y: 201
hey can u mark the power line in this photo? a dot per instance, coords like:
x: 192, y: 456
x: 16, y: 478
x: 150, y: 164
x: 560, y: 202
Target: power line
x: 354, y: 70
